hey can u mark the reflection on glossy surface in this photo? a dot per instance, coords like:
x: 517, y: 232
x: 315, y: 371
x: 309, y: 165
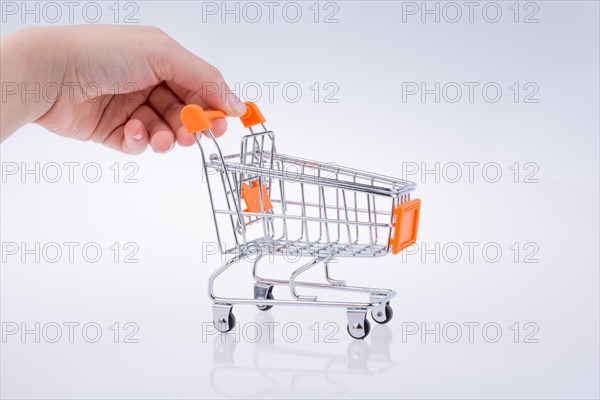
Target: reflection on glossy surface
x: 267, y: 369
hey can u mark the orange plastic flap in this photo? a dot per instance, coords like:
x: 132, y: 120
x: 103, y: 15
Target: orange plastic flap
x: 406, y: 225
x: 251, y: 196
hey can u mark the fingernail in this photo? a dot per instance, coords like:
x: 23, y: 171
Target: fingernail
x: 235, y: 103
x: 170, y: 148
x: 138, y: 136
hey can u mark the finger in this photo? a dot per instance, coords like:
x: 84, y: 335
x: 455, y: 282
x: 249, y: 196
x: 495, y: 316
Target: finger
x: 115, y: 113
x: 219, y: 127
x: 219, y: 124
x: 168, y: 106
x: 171, y: 62
x: 135, y: 137
x: 161, y: 137
x: 130, y: 138
x: 159, y: 99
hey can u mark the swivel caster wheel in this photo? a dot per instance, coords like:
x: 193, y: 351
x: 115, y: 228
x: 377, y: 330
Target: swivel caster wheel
x: 382, y: 314
x: 223, y: 318
x: 262, y: 291
x: 358, y: 326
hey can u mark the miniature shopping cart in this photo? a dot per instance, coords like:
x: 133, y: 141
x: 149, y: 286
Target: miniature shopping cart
x: 270, y: 204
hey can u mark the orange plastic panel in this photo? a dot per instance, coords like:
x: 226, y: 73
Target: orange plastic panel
x: 252, y: 116
x: 251, y: 196
x: 406, y: 226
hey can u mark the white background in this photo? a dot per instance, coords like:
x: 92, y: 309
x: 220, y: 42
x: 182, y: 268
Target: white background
x: 366, y: 55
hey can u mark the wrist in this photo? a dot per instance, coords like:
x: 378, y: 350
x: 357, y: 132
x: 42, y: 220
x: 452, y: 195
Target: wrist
x: 32, y: 66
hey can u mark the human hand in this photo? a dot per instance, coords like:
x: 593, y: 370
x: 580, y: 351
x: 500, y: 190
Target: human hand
x: 122, y: 86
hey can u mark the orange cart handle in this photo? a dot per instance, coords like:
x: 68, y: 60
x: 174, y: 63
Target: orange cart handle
x: 196, y: 119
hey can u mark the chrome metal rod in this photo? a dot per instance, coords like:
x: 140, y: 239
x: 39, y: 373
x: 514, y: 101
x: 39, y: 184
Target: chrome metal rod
x: 301, y: 218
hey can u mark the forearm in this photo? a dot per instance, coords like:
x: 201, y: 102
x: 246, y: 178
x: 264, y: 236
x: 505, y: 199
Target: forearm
x: 32, y: 64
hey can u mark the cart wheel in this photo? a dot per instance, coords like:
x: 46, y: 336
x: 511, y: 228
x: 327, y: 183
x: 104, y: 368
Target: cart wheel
x: 265, y: 307
x: 263, y: 292
x: 358, y: 331
x: 225, y: 325
x: 382, y: 315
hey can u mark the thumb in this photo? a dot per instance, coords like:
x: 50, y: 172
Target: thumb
x: 193, y: 79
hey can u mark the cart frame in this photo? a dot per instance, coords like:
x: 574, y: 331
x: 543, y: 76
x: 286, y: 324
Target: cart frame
x: 259, y: 176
